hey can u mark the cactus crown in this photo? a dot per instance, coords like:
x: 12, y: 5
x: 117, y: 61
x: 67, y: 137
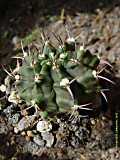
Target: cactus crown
x: 59, y: 78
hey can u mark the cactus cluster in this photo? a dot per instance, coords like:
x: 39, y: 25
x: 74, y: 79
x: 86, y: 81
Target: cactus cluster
x: 59, y: 78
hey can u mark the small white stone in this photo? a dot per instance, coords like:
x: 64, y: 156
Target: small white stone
x: 24, y: 123
x: 12, y: 99
x: 64, y: 82
x: 2, y: 88
x: 44, y: 126
x: 16, y: 130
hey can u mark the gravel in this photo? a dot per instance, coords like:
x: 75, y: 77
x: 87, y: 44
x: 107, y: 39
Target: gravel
x: 24, y: 123
x: 30, y: 147
x: 2, y: 128
x: 48, y: 137
x: 9, y: 110
x: 39, y: 141
x: 14, y: 119
x: 43, y: 126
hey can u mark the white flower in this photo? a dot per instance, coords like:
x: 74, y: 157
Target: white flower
x: 64, y: 82
x: 2, y: 88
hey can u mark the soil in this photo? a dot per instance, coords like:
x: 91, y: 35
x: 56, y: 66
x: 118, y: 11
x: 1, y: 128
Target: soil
x: 97, y: 26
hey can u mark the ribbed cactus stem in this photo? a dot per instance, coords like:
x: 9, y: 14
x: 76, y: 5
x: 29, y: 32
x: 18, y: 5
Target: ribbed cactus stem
x: 59, y: 79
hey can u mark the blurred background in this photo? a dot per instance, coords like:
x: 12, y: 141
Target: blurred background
x: 24, y: 20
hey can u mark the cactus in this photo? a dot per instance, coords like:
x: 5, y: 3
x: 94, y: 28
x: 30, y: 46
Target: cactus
x: 59, y: 78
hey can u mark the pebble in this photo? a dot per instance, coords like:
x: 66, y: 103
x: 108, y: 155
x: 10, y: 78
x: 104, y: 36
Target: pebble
x: 14, y: 119
x: 75, y: 142
x: 48, y: 137
x: 39, y: 141
x: 73, y: 127
x: 81, y: 133
x: 104, y: 118
x: 2, y: 128
x: 24, y: 123
x: 44, y: 126
x: 27, y: 138
x: 93, y: 122
x: 107, y: 140
x: 23, y: 133
x: 30, y: 147
x: 9, y: 110
x: 30, y: 133
x: 59, y: 154
x: 2, y: 88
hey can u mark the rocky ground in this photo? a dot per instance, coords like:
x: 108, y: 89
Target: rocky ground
x: 97, y: 26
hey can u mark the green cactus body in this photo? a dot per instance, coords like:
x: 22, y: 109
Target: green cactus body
x: 61, y: 49
x: 85, y: 76
x: 63, y: 97
x: 27, y: 88
x: 59, y: 78
x: 47, y: 90
x: 48, y: 48
x: 86, y: 58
